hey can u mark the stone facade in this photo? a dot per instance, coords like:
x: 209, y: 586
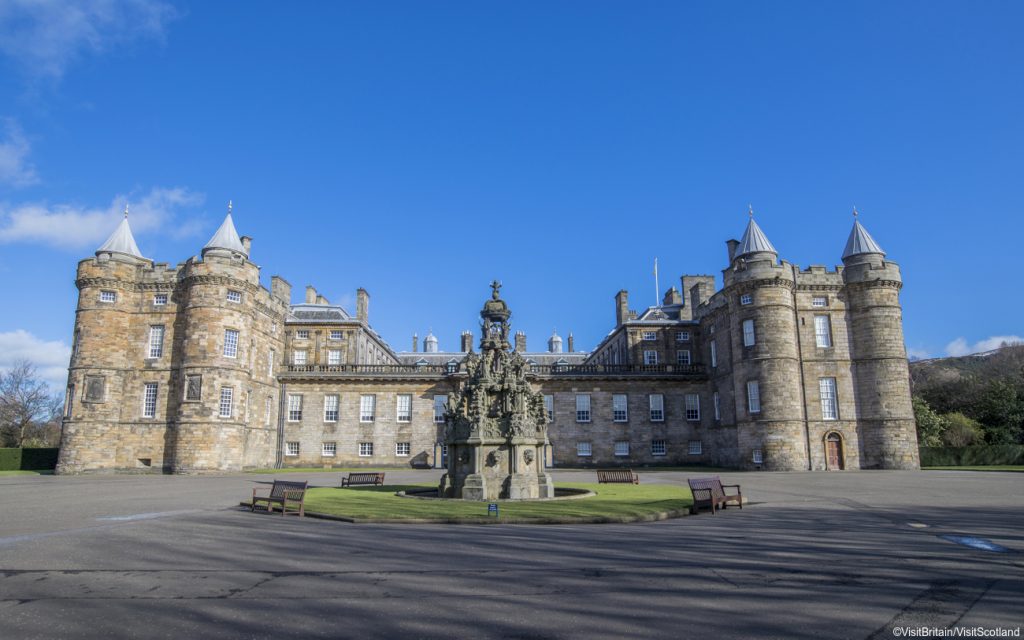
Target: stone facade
x: 198, y: 368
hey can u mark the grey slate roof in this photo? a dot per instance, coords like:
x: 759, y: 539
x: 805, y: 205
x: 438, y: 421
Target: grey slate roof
x: 318, y: 313
x: 227, y: 238
x: 121, y: 241
x: 754, y: 241
x: 860, y: 242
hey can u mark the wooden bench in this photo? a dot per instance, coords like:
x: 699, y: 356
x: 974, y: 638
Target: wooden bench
x: 376, y: 478
x: 710, y: 492
x: 285, y: 493
x: 617, y: 475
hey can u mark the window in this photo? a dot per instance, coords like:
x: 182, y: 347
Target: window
x: 583, y: 407
x: 622, y: 448
x: 683, y: 356
x: 439, y: 403
x: 650, y: 357
x: 160, y: 299
x: 271, y: 356
x: 549, y: 406
x: 753, y: 396
x: 365, y: 449
x: 230, y: 343
x: 620, y: 410
x: 291, y: 448
x: 193, y: 387
x: 335, y: 334
x: 649, y: 335
x: 227, y: 396
x: 696, y: 448
x: 302, y: 334
x: 367, y: 408
x: 822, y: 332
x: 829, y: 404
x: 657, y: 402
x: 746, y: 299
x: 273, y: 327
x: 330, y: 408
x: 329, y: 449
x: 156, y: 341
x: 692, y: 406
x: 234, y: 296
x: 718, y: 405
x: 714, y: 354
x: 403, y: 407
x: 748, y: 333
x: 757, y: 457
x: 294, y: 407
x: 658, y: 447
x: 682, y: 336
x: 108, y: 296
x: 149, y: 400
x: 268, y: 409
x: 69, y: 400
x: 402, y: 449
x: 819, y: 301
x: 299, y: 357
x: 583, y: 449
x: 334, y: 357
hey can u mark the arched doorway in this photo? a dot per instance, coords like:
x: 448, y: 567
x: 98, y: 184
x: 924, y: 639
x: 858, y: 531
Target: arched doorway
x: 834, y: 452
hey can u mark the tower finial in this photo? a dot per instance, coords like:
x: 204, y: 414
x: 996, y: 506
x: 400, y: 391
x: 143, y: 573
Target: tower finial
x: 229, y: 207
x: 495, y: 285
x: 125, y: 209
x: 750, y: 210
x: 855, y: 214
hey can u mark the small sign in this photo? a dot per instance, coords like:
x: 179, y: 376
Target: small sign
x: 492, y: 508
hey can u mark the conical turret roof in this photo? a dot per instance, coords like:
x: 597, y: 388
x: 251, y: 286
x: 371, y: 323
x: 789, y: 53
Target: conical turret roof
x: 754, y: 241
x: 860, y: 242
x: 226, y: 237
x: 122, y: 240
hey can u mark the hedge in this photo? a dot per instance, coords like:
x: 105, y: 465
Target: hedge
x: 28, y: 459
x: 972, y: 456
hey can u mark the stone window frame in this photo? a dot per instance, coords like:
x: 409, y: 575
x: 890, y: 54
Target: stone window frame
x: 650, y: 357
x: 294, y: 408
x: 332, y: 414
x: 583, y: 408
x: 656, y: 410
x: 621, y: 451
x: 682, y: 336
x: 749, y: 332
x: 150, y: 394
x: 160, y: 299
x: 271, y: 356
x: 714, y: 353
x: 403, y: 449
x: 328, y: 449
x: 757, y: 456
x: 549, y: 406
x: 302, y: 334
x: 439, y: 408
x: 823, y: 331
x: 695, y: 448
x: 336, y: 334
x: 268, y: 409
x: 367, y: 408
x: 659, y: 447
x: 753, y: 397
x: 90, y: 382
x: 828, y: 393
x: 108, y: 296
x: 69, y: 400
x: 403, y: 416
x: 584, y: 449
x: 716, y: 400
x: 819, y: 302
x: 620, y: 412
x: 227, y: 394
x: 231, y: 342
x: 334, y: 357
x: 683, y: 357
x: 188, y: 388
x: 365, y: 449
x: 296, y: 358
x: 234, y: 296
x: 155, y: 346
x: 692, y: 408
x: 746, y: 299
x: 648, y: 336
x: 292, y: 448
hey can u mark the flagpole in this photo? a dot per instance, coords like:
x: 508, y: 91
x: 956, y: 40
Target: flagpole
x: 657, y: 289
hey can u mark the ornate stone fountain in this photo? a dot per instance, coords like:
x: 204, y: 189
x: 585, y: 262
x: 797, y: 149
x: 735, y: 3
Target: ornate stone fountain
x: 495, y: 424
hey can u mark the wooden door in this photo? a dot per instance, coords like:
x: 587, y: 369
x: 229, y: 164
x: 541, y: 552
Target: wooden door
x: 834, y: 451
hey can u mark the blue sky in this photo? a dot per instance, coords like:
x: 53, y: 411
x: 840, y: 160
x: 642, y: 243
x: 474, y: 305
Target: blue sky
x: 421, y: 149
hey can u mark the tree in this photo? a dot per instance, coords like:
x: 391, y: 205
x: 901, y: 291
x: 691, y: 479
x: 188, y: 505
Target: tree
x: 1001, y: 410
x: 26, y: 405
x: 961, y: 431
x: 930, y: 424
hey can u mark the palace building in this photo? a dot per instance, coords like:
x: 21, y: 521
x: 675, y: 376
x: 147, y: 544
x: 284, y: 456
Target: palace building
x: 199, y: 368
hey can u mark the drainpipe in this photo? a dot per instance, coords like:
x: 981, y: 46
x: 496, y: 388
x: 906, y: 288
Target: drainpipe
x: 803, y: 388
x: 281, y: 409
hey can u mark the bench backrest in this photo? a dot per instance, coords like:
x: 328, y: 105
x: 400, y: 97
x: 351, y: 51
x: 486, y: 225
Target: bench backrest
x: 280, y: 486
x: 616, y: 474
x: 364, y: 477
x: 712, y: 483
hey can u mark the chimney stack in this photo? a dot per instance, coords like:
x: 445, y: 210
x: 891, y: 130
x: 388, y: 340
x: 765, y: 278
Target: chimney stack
x: 672, y: 296
x: 362, y: 305
x: 621, y: 307
x: 732, y: 245
x: 466, y: 341
x: 280, y: 289
x: 415, y: 343
x: 571, y: 348
x: 520, y: 342
x: 247, y: 244
x: 310, y: 294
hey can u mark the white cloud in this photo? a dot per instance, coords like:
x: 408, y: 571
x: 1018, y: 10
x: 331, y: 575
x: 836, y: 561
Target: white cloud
x: 960, y: 347
x: 49, y: 357
x: 915, y: 353
x: 15, y: 169
x: 45, y: 36
x: 76, y: 227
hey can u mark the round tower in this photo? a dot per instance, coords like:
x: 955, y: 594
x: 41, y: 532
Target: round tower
x: 879, y: 358
x: 770, y: 426
x: 218, y: 302
x: 102, y: 356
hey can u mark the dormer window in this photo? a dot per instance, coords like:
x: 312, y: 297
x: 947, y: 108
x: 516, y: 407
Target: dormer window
x: 234, y: 296
x: 108, y: 296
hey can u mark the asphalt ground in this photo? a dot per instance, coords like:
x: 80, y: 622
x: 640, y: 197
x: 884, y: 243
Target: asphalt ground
x: 813, y: 555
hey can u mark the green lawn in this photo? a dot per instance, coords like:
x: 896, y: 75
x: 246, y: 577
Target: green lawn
x: 613, y: 503
x: 22, y: 472
x: 991, y: 467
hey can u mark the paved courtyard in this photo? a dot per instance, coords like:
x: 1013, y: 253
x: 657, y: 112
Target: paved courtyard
x: 815, y: 555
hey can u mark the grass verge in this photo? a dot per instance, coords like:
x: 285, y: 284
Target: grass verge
x: 991, y: 467
x: 613, y: 503
x: 23, y: 472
